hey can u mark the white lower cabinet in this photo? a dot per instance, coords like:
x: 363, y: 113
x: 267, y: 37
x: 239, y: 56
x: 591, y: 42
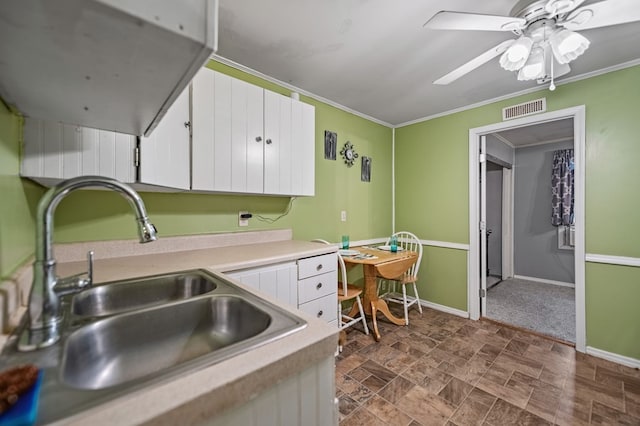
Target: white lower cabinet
x: 317, y: 286
x: 278, y: 281
x: 307, y: 398
x: 310, y: 284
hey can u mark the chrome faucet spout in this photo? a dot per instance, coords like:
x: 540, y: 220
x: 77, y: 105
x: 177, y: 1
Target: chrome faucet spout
x: 43, y: 314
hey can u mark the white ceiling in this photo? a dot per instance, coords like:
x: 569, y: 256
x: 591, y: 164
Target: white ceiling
x: 375, y: 57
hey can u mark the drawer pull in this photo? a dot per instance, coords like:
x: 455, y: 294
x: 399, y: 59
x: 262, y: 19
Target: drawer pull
x: 320, y: 314
x: 319, y: 286
x: 319, y: 267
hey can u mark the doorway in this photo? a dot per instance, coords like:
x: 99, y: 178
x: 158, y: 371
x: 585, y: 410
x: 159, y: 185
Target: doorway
x: 478, y: 263
x: 499, y: 219
x: 539, y: 295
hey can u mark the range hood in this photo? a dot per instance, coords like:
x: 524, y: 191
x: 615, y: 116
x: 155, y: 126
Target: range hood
x: 108, y: 64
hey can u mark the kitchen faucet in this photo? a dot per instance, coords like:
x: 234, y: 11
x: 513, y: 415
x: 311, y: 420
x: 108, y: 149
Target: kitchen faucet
x: 43, y: 313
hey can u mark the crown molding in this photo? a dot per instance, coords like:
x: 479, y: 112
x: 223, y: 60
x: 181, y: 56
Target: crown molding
x: 561, y: 82
x: 540, y: 88
x: 270, y: 79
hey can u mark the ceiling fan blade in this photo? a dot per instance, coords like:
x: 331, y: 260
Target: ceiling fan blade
x: 603, y: 14
x: 474, y: 63
x: 473, y: 21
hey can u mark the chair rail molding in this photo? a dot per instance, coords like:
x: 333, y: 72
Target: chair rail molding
x: 613, y: 260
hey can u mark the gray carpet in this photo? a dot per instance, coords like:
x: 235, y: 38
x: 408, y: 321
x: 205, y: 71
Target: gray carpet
x: 545, y: 308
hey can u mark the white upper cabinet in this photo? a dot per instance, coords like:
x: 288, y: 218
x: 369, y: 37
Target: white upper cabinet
x: 303, y: 148
x: 221, y: 135
x: 248, y: 139
x: 164, y: 155
x: 55, y: 151
x: 116, y: 65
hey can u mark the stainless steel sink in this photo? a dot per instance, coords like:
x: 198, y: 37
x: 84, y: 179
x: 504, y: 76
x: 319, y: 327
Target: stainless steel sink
x: 150, y: 337
x: 121, y: 296
x: 125, y: 347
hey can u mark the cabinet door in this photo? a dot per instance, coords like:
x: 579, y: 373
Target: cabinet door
x: 278, y: 158
x: 303, y: 148
x: 247, y: 138
x: 227, y: 150
x: 165, y: 154
x: 278, y: 281
x: 54, y: 151
x: 211, y: 131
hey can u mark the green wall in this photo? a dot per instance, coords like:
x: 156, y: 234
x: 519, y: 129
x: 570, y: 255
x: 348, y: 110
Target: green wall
x: 613, y: 316
x: 432, y: 196
x: 99, y: 215
x: 17, y: 198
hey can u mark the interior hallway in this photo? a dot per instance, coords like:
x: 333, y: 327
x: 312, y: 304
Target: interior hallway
x: 544, y: 308
x: 447, y: 370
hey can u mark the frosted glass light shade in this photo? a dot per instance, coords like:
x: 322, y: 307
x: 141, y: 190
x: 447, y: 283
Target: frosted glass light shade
x: 516, y: 55
x: 534, y: 67
x: 568, y: 45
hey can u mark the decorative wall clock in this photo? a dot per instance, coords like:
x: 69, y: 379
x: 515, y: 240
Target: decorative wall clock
x: 349, y: 154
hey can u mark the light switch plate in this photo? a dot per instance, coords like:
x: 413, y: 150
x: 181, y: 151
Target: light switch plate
x: 343, y: 215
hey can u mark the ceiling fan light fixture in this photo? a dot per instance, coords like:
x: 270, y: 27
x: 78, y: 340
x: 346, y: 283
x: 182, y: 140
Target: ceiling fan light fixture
x: 568, y: 45
x: 557, y: 7
x: 534, y: 67
x: 516, y: 55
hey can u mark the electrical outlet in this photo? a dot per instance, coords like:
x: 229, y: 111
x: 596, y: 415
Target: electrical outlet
x: 241, y: 221
x: 343, y: 215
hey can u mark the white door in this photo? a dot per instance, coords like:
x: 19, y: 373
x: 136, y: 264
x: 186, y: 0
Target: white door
x: 483, y: 224
x: 165, y: 154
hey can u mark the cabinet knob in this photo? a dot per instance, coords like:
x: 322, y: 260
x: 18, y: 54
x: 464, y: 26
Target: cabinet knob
x: 319, y: 286
x: 187, y: 124
x: 258, y: 138
x: 268, y: 141
x: 319, y: 267
x: 320, y: 314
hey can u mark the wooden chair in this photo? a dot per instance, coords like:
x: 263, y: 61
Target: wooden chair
x: 347, y: 292
x: 407, y: 241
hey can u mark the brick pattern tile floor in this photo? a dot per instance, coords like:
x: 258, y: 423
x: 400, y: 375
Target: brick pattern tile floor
x: 447, y: 370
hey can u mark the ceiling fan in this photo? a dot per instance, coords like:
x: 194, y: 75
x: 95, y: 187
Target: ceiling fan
x: 547, y: 29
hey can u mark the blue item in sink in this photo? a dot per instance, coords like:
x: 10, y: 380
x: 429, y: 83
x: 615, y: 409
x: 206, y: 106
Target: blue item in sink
x: 26, y: 408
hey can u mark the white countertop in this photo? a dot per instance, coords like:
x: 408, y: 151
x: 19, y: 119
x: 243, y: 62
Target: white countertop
x: 202, y: 394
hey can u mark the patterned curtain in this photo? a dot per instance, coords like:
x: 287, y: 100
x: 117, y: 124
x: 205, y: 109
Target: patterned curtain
x: 562, y: 188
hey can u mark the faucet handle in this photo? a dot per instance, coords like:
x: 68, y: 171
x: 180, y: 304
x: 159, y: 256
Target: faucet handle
x: 75, y: 283
x: 90, y: 267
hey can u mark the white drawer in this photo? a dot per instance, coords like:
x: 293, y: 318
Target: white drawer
x: 318, y: 286
x: 317, y: 265
x: 325, y: 308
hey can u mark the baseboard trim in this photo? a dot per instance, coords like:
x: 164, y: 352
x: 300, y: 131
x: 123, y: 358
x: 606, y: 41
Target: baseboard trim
x: 613, y: 357
x: 545, y: 281
x: 437, y: 306
x: 443, y: 308
x: 612, y: 260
